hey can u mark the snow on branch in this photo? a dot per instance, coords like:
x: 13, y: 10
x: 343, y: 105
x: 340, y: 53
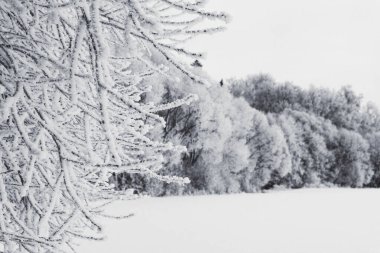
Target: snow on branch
x: 72, y: 77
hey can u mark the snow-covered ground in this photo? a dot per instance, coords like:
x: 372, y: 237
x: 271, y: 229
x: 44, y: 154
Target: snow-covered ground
x: 299, y: 221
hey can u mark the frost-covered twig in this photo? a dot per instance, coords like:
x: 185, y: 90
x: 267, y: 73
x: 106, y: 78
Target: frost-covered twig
x: 72, y: 74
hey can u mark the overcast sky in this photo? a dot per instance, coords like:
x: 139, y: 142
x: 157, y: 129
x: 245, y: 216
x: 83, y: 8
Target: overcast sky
x: 327, y: 43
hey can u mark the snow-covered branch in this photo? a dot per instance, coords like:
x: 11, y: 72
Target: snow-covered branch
x: 72, y: 74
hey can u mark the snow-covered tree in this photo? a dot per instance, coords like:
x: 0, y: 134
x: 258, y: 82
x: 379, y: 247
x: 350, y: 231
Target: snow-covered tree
x: 352, y: 166
x: 227, y: 153
x: 315, y: 137
x: 374, y: 141
x: 269, y: 154
x: 293, y: 138
x: 71, y: 79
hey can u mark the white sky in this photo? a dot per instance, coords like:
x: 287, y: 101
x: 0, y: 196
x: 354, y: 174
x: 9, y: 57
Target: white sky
x: 327, y: 43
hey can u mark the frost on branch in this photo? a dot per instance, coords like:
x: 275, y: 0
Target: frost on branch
x: 71, y: 78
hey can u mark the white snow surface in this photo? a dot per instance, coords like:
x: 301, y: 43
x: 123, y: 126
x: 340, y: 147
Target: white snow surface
x: 296, y: 221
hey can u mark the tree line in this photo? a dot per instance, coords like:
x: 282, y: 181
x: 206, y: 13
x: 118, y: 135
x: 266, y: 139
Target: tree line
x: 256, y: 134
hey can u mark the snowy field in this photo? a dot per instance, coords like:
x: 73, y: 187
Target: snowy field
x: 299, y: 221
